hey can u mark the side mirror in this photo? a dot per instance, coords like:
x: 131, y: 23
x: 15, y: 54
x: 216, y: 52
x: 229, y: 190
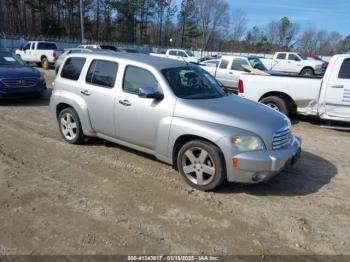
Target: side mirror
x: 150, y: 92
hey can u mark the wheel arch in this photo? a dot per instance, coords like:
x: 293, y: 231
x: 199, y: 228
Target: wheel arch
x: 307, y: 67
x: 289, y: 100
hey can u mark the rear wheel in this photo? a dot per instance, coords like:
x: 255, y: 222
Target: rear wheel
x: 202, y: 165
x: 307, y: 72
x: 276, y: 103
x: 70, y: 127
x: 45, y: 63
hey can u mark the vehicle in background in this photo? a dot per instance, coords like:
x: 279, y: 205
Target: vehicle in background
x: 315, y: 57
x: 210, y: 63
x: 67, y: 52
x: 40, y: 52
x: 293, y: 63
x: 179, y: 114
x: 98, y: 47
x: 19, y: 80
x: 89, y: 46
x: 128, y: 50
x: 327, y: 98
x: 109, y: 47
x: 211, y: 57
x: 179, y: 54
x: 231, y: 67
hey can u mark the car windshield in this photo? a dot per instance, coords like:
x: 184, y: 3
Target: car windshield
x: 190, y: 53
x: 192, y: 82
x: 302, y: 56
x: 8, y: 59
x: 257, y: 64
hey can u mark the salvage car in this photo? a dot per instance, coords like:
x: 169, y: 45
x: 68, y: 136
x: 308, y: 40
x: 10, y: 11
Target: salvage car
x: 174, y: 111
x: 19, y: 80
x: 327, y: 97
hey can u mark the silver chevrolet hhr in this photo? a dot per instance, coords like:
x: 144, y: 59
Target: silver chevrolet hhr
x: 174, y: 111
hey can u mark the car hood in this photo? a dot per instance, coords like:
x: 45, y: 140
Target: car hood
x: 236, y: 112
x: 18, y: 72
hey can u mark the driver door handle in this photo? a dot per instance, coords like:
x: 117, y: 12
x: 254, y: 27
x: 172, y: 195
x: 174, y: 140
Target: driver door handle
x: 85, y: 92
x: 125, y: 102
x: 337, y: 86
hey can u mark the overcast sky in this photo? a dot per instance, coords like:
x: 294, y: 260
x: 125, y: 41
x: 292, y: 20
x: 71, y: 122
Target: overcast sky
x: 332, y: 15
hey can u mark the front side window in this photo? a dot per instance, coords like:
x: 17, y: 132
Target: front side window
x: 293, y: 57
x: 72, y: 68
x: 257, y: 64
x: 102, y: 73
x: 136, y: 78
x: 224, y: 64
x: 282, y: 56
x: 182, y: 54
x: 192, y: 82
x: 26, y: 47
x: 190, y: 53
x: 238, y: 64
x: 344, y: 72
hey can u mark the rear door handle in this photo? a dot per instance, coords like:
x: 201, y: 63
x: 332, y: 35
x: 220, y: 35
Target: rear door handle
x: 125, y: 102
x: 337, y: 86
x: 85, y: 92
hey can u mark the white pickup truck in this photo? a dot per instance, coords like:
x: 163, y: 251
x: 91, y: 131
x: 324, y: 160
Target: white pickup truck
x: 328, y: 98
x: 295, y: 63
x: 230, y: 68
x: 45, y: 53
x: 179, y: 54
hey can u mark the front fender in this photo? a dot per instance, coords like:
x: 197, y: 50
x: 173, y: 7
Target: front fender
x: 77, y: 103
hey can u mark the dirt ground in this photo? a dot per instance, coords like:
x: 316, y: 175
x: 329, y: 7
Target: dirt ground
x: 101, y: 198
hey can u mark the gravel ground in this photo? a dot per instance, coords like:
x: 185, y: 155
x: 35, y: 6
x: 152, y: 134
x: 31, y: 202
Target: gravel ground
x: 101, y: 198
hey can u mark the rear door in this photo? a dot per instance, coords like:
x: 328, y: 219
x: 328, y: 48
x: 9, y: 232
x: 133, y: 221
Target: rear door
x: 25, y: 55
x: 98, y: 90
x: 223, y: 73
x: 294, y: 64
x: 337, y: 98
x: 279, y: 62
x: 237, y: 68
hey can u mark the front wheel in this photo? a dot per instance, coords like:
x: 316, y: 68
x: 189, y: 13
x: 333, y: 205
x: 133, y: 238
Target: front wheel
x: 276, y: 103
x: 70, y: 127
x: 307, y: 72
x: 202, y: 165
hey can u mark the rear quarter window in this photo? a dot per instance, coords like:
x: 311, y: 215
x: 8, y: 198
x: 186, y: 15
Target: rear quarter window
x: 344, y: 72
x: 72, y: 68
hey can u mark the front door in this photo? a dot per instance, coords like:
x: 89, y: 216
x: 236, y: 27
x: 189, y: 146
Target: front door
x: 139, y: 121
x: 98, y: 90
x: 338, y: 90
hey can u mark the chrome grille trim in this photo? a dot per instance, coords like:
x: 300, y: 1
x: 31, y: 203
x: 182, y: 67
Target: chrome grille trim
x: 281, y: 138
x: 18, y: 83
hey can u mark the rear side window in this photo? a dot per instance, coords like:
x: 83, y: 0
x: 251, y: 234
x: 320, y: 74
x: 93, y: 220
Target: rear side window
x: 72, y: 68
x: 282, y: 56
x: 238, y: 64
x: 47, y: 46
x: 136, y: 78
x: 224, y: 63
x: 102, y: 73
x: 173, y: 53
x: 344, y: 72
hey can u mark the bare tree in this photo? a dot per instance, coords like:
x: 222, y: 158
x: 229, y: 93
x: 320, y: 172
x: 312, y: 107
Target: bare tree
x: 212, y: 17
x: 238, y: 25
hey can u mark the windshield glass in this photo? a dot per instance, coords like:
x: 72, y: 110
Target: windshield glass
x: 192, y: 82
x: 257, y: 64
x: 190, y: 53
x: 302, y: 56
x: 8, y: 59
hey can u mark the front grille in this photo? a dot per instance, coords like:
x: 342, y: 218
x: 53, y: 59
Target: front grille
x: 281, y: 138
x: 19, y: 83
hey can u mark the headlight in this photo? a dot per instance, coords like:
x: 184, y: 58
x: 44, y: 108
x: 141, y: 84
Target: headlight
x: 248, y: 143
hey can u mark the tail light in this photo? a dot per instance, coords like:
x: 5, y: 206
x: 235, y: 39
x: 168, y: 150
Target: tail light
x: 55, y: 55
x: 240, y: 87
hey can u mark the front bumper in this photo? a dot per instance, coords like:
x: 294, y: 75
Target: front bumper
x: 255, y: 167
x: 15, y: 93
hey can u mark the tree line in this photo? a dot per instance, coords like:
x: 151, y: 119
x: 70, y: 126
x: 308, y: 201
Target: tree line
x: 195, y: 24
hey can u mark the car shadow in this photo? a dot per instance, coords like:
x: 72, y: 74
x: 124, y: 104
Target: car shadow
x: 308, y: 177
x: 28, y: 102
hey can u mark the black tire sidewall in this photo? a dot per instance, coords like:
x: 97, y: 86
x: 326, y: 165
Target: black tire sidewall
x: 80, y: 136
x: 279, y: 102
x: 216, y: 155
x: 306, y: 70
x: 45, y: 63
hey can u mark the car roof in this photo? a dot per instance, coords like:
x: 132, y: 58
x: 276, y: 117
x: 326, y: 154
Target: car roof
x: 158, y: 63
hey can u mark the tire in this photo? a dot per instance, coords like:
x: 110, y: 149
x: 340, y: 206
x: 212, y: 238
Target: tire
x: 276, y: 103
x: 70, y: 126
x: 202, y: 165
x: 45, y: 63
x: 307, y: 72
